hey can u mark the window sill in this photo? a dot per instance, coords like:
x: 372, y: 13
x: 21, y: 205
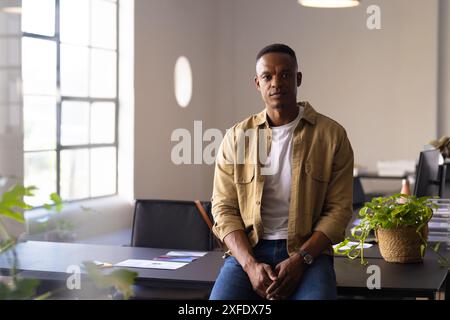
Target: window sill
x: 89, y: 217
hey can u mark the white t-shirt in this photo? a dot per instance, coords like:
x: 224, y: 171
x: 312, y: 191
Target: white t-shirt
x: 277, y: 186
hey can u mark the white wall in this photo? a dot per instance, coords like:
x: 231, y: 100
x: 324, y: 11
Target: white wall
x: 165, y: 30
x: 444, y: 69
x: 126, y: 100
x: 381, y: 84
x: 11, y: 124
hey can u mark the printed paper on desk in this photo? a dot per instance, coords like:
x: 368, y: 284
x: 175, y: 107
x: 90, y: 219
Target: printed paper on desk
x: 150, y: 264
x: 175, y: 258
x: 186, y: 253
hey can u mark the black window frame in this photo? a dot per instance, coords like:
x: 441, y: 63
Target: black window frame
x: 56, y: 38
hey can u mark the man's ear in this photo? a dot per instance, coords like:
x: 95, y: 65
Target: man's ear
x: 299, y: 79
x: 257, y: 83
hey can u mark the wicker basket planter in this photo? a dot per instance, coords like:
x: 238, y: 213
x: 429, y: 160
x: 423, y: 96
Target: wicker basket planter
x: 395, y: 220
x: 401, y: 245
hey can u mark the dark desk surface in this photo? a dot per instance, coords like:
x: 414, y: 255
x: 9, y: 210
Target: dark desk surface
x: 374, y: 252
x: 50, y: 260
x: 422, y: 279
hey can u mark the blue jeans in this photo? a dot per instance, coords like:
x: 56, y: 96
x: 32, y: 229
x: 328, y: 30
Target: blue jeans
x: 318, y: 282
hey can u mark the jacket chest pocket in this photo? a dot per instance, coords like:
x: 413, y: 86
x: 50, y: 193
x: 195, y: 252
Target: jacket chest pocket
x: 319, y: 172
x: 244, y: 176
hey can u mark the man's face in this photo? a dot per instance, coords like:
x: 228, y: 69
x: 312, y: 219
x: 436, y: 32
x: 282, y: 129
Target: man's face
x: 277, y: 79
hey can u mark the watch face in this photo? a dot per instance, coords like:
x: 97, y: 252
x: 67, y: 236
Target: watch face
x: 308, y: 259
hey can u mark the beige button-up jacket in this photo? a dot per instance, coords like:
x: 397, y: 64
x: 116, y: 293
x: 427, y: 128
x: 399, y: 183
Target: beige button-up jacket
x: 321, y: 183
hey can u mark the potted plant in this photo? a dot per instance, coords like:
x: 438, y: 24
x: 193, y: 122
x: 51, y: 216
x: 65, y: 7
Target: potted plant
x: 400, y: 224
x: 443, y: 144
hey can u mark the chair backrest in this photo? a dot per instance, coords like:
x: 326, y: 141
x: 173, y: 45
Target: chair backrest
x: 427, y: 180
x: 359, y: 196
x: 446, y: 185
x: 171, y: 224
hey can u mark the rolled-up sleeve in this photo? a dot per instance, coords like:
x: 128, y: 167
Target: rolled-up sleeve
x: 338, y: 207
x: 225, y: 205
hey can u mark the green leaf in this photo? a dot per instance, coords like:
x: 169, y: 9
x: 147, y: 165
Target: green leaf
x: 20, y: 289
x: 12, y: 201
x: 18, y: 216
x: 57, y: 203
x: 6, y: 244
x: 436, y: 247
x: 121, y: 279
x: 25, y: 288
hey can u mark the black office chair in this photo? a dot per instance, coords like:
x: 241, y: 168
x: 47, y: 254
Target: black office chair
x: 359, y: 196
x: 444, y: 180
x: 171, y: 224
x: 175, y: 225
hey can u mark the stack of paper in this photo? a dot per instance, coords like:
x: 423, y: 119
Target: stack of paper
x: 170, y: 261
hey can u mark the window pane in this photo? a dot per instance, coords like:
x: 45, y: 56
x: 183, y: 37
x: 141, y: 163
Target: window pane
x: 74, y: 70
x: 103, y: 171
x: 39, y: 118
x: 103, y: 24
x: 74, y: 123
x: 74, y: 17
x: 74, y: 174
x: 103, y: 73
x: 38, y: 66
x: 40, y: 171
x: 38, y: 16
x: 103, y: 122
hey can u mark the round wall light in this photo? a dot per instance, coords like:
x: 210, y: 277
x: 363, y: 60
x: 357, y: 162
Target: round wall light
x: 183, y: 81
x: 329, y: 3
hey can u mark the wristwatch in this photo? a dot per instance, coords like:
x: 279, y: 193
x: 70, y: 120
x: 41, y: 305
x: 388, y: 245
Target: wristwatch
x: 306, y: 257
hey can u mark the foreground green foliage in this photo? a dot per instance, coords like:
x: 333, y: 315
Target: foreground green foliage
x: 14, y: 287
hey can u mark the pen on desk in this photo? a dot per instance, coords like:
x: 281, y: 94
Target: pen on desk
x: 102, y: 265
x: 106, y: 265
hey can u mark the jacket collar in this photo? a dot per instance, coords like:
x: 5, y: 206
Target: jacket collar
x: 309, y: 114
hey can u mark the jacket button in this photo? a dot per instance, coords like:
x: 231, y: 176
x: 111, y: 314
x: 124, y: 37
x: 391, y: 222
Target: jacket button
x: 258, y: 202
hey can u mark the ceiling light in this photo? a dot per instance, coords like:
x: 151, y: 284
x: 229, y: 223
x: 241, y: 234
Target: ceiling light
x: 11, y: 6
x: 329, y: 3
x: 15, y: 10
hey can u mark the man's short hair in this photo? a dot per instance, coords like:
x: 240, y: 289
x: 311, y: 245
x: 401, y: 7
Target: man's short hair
x: 276, y: 47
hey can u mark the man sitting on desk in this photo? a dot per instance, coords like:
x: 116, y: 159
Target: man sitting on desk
x: 279, y: 216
